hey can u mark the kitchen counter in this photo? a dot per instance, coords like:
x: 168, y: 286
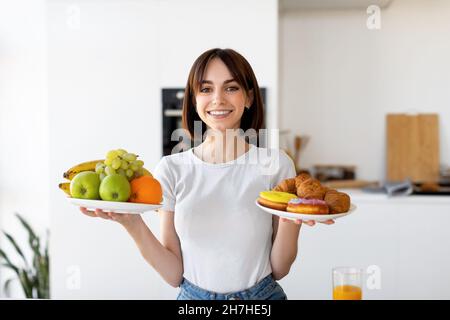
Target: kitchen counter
x: 360, y: 196
x: 404, y: 238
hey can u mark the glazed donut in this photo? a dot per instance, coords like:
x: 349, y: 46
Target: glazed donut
x: 275, y: 199
x: 287, y: 185
x: 311, y: 189
x: 307, y: 206
x: 338, y: 202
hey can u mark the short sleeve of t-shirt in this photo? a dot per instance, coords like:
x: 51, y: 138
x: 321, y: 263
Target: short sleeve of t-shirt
x: 285, y: 170
x: 165, y: 177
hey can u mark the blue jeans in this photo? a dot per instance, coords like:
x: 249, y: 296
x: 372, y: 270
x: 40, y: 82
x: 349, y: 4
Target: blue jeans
x: 266, y: 289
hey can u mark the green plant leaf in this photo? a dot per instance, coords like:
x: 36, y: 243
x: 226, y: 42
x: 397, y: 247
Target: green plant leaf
x: 6, y: 286
x: 34, y: 278
x: 27, y: 284
x: 42, y: 278
x: 14, y: 244
x: 11, y: 266
x: 8, y: 262
x: 31, y: 234
x: 4, y: 256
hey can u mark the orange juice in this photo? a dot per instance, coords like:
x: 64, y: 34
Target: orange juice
x: 347, y: 292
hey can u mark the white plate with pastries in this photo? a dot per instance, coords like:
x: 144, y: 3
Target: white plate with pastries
x: 304, y: 216
x: 114, y: 206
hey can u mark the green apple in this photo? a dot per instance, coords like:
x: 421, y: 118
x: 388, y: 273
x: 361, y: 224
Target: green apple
x: 115, y: 187
x: 85, y: 185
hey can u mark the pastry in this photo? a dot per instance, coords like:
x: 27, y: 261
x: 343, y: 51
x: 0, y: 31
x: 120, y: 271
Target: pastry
x: 338, y: 202
x: 311, y: 189
x: 287, y: 185
x: 307, y: 206
x: 275, y: 199
x: 302, y: 177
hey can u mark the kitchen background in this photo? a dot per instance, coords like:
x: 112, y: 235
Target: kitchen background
x: 78, y: 78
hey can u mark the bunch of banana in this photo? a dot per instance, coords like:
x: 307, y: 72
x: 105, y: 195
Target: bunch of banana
x: 72, y: 172
x: 84, y: 166
x: 65, y: 186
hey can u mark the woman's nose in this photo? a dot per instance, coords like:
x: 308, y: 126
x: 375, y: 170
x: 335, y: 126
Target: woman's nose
x: 217, y: 98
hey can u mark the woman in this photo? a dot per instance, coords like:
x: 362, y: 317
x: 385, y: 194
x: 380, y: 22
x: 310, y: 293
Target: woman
x: 215, y: 242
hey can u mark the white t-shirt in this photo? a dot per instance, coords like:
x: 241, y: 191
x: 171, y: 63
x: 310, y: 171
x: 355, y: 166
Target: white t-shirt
x: 225, y: 238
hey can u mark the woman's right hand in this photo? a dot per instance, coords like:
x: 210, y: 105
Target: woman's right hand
x: 125, y: 219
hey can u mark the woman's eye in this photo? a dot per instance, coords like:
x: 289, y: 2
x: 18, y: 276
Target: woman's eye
x: 232, y: 88
x: 205, y: 90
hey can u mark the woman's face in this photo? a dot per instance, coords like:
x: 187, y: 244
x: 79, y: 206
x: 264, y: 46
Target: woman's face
x: 220, y: 100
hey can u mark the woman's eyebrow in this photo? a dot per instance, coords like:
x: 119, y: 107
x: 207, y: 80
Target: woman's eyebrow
x: 225, y: 82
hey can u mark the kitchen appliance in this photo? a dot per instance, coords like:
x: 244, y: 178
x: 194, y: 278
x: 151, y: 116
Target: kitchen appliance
x: 172, y: 112
x: 325, y: 173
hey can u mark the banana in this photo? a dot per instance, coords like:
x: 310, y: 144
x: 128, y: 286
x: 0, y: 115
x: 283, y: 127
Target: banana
x: 84, y: 166
x: 65, y: 186
x: 147, y: 173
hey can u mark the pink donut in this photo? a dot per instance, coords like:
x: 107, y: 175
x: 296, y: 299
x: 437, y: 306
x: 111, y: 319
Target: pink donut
x: 308, y: 206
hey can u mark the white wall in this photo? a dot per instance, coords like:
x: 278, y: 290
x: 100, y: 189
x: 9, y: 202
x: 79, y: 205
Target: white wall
x: 108, y: 61
x: 338, y: 79
x: 23, y: 125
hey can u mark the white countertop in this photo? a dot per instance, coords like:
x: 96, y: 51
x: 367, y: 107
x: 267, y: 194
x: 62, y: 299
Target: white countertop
x: 359, y: 196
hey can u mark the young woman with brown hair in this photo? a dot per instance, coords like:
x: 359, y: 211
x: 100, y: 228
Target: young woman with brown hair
x: 215, y: 242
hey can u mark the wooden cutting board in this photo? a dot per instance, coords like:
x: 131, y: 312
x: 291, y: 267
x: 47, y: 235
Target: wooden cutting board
x: 412, y: 147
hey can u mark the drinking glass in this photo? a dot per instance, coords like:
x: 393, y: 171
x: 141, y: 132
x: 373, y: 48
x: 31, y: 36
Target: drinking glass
x: 347, y: 283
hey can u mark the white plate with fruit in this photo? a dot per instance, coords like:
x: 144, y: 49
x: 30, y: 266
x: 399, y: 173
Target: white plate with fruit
x: 119, y: 184
x: 114, y: 206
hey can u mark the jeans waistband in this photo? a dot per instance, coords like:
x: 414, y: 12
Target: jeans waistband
x: 244, y: 294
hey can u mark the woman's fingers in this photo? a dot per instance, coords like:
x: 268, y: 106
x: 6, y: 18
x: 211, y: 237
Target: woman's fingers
x: 310, y: 222
x: 112, y: 215
x: 102, y: 214
x: 296, y: 221
x: 88, y: 212
x: 330, y: 221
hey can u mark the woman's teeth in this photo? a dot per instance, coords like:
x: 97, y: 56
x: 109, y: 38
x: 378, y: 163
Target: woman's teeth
x: 219, y: 114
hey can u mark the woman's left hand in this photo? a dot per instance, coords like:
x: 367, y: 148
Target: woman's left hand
x: 308, y: 222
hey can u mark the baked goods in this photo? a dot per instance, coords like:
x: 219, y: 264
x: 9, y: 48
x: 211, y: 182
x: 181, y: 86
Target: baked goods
x: 302, y: 177
x: 338, y: 202
x: 275, y: 199
x: 311, y: 189
x: 291, y: 185
x: 308, y: 206
x: 306, y: 187
x: 287, y: 185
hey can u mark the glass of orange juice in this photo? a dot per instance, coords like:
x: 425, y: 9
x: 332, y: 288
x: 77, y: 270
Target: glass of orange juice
x: 347, y: 283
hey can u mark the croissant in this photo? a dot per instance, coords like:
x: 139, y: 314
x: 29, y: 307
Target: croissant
x: 311, y: 189
x: 287, y: 185
x: 302, y: 177
x: 338, y: 202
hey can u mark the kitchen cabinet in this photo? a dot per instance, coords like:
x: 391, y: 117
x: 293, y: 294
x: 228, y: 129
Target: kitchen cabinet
x: 406, y: 238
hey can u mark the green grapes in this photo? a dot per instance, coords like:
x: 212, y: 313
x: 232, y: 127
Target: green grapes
x: 122, y: 162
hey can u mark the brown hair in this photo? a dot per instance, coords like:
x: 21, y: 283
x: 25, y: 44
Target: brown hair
x: 242, y: 72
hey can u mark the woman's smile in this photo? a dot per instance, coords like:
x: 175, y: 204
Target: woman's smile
x: 219, y: 114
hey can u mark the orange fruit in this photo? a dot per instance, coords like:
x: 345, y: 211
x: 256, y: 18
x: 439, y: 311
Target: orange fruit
x: 146, y: 189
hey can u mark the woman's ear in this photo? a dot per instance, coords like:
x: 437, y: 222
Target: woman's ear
x: 250, y: 97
